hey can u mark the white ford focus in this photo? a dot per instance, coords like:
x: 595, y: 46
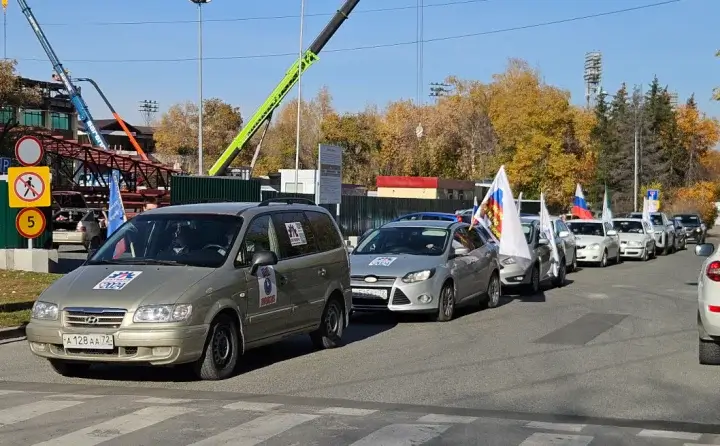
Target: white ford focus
x: 709, y: 305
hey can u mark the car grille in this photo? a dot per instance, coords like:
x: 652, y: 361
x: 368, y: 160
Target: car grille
x: 399, y: 298
x: 94, y: 317
x: 388, y: 281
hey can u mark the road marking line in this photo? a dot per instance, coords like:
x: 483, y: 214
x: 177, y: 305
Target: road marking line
x: 9, y: 392
x: 27, y: 411
x: 539, y: 439
x: 556, y: 426
x: 258, y: 430
x: 403, y: 435
x: 669, y: 434
x: 123, y: 425
x: 345, y: 411
x: 164, y: 401
x: 252, y: 406
x: 74, y: 396
x: 438, y: 418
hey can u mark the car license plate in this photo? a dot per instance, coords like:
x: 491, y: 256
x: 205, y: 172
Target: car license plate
x: 369, y: 293
x: 89, y: 341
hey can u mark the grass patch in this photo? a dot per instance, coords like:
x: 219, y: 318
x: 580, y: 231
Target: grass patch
x: 18, y: 291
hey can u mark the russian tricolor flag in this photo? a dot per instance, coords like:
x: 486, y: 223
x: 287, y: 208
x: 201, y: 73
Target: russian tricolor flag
x: 580, y: 207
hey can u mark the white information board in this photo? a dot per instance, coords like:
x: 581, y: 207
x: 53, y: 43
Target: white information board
x: 329, y: 174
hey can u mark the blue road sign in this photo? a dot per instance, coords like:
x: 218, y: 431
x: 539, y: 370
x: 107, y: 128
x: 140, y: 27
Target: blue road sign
x: 4, y: 164
x: 653, y: 194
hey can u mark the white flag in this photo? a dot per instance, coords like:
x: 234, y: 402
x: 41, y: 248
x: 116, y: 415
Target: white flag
x: 499, y: 214
x: 646, y: 212
x: 547, y: 227
x: 606, y: 212
x: 519, y: 203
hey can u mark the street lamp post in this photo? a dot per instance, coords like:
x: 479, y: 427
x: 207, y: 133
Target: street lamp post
x: 299, y: 95
x: 200, y: 3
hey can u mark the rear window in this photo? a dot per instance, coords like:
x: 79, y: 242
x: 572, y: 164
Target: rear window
x: 687, y: 219
x: 326, y: 234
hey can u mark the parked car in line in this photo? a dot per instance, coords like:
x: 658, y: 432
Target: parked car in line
x: 663, y: 231
x: 528, y: 275
x: 708, y: 317
x: 597, y: 242
x: 695, y: 229
x: 568, y: 246
x: 200, y: 285
x: 680, y: 235
x: 78, y: 227
x: 636, y: 238
x: 423, y: 266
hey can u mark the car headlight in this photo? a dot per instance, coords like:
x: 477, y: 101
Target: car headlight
x: 163, y: 313
x: 594, y: 246
x: 509, y: 261
x: 698, y: 229
x: 45, y: 311
x: 418, y: 276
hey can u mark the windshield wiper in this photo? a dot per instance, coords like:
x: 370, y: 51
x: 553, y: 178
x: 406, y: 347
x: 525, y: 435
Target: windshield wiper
x: 138, y: 262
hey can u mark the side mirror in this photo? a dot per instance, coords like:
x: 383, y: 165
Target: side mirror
x: 563, y: 234
x: 543, y: 241
x: 612, y: 233
x: 704, y: 250
x: 262, y: 258
x: 459, y: 252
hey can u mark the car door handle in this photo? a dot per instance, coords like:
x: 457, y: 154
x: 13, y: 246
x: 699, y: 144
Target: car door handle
x: 322, y: 272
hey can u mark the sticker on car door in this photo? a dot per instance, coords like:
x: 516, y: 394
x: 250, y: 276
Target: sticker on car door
x: 267, y: 286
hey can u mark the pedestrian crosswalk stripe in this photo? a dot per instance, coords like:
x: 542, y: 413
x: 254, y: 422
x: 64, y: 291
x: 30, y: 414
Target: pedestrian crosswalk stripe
x: 252, y: 406
x: 556, y: 426
x: 123, y: 425
x: 345, y: 411
x: 28, y: 411
x: 403, y: 435
x: 539, y: 439
x: 164, y: 401
x: 669, y: 434
x: 258, y: 430
x: 452, y: 419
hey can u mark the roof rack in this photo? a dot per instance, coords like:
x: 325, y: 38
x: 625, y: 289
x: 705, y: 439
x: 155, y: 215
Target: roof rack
x: 287, y: 200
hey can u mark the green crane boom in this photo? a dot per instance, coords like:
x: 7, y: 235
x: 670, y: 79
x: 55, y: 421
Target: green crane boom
x: 283, y: 88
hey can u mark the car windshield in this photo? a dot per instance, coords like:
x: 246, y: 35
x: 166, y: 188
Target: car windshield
x: 405, y: 240
x: 586, y: 228
x: 628, y: 226
x: 688, y: 219
x: 528, y: 231
x: 171, y: 239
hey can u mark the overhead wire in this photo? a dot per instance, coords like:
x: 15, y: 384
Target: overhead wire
x: 377, y: 46
x: 272, y: 17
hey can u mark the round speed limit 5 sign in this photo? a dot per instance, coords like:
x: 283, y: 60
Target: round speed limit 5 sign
x: 30, y: 222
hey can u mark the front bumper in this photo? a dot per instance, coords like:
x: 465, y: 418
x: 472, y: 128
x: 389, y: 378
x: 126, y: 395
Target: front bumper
x: 632, y: 252
x: 586, y: 255
x: 159, y: 346
x: 693, y: 236
x: 400, y: 297
x: 514, y: 275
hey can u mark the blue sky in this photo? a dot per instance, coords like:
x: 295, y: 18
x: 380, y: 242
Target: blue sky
x: 674, y: 41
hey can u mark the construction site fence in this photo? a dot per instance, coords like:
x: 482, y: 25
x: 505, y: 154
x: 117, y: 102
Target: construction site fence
x: 356, y: 215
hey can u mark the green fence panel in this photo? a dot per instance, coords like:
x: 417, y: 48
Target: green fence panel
x: 9, y: 237
x: 187, y: 189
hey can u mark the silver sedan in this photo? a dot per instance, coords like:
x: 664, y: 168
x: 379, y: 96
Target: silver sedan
x: 424, y: 266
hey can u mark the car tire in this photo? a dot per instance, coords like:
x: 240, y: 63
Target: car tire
x: 446, y: 303
x: 604, y: 260
x: 666, y: 249
x: 493, y: 291
x: 645, y: 254
x: 573, y: 265
x: 69, y: 369
x: 618, y: 259
x: 221, y: 352
x: 559, y: 281
x: 708, y: 352
x: 534, y: 286
x: 332, y: 325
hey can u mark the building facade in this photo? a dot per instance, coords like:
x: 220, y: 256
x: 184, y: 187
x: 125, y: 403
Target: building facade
x: 431, y: 188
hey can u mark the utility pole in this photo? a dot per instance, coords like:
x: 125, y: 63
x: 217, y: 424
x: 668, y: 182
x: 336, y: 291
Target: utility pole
x: 299, y: 96
x: 440, y: 89
x: 148, y: 110
x: 199, y: 4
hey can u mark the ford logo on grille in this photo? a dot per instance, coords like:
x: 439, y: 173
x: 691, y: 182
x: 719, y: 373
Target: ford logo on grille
x: 91, y: 320
x: 371, y: 279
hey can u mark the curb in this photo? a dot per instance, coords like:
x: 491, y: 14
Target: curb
x: 12, y: 333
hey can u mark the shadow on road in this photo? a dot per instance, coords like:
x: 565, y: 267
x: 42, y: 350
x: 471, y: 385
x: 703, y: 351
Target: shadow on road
x: 292, y: 348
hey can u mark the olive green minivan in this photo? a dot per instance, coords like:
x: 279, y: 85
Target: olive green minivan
x: 200, y: 285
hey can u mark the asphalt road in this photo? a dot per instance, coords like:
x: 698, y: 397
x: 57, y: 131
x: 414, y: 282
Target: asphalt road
x: 609, y: 359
